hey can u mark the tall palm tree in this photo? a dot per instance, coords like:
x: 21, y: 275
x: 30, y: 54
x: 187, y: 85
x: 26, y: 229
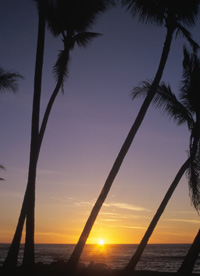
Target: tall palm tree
x: 12, y: 256
x: 71, y: 20
x: 183, y: 111
x: 163, y: 12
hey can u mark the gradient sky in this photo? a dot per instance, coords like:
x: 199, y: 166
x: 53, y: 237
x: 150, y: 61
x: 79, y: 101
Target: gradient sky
x: 87, y: 127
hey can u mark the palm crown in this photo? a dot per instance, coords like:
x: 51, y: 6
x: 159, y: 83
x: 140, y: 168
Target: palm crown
x: 64, y: 18
x: 64, y: 15
x: 157, y: 11
x: 184, y: 109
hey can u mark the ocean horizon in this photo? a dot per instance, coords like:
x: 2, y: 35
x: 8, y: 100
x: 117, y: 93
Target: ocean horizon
x: 156, y: 257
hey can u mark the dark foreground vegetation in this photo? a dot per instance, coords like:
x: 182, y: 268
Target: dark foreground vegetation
x: 58, y: 268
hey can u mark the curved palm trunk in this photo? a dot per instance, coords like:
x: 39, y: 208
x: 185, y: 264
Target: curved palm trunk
x: 11, y: 259
x: 73, y: 261
x: 136, y: 257
x: 28, y: 260
x: 189, y: 261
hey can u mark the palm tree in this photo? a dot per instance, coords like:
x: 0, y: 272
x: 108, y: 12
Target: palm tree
x: 172, y: 15
x: 186, y: 110
x: 65, y: 18
x: 189, y: 261
x: 12, y: 256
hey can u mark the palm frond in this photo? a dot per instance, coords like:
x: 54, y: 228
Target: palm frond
x: 60, y: 69
x: 141, y: 90
x: 77, y: 15
x: 188, y: 36
x: 8, y: 80
x: 174, y: 108
x: 193, y: 175
x: 84, y: 38
x: 165, y: 99
x: 190, y: 85
x: 147, y: 11
x: 2, y: 167
x: 155, y: 11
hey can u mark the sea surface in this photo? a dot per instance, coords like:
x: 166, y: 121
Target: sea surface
x: 156, y: 257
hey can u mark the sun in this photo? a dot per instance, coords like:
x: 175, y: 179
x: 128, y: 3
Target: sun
x: 101, y: 242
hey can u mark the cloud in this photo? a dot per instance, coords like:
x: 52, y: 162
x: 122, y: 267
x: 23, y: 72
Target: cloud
x: 126, y: 206
x: 53, y: 172
x: 50, y: 234
x: 110, y: 214
x: 119, y: 205
x: 184, y: 220
x: 132, y: 227
x: 184, y: 212
x: 111, y: 220
x: 83, y: 203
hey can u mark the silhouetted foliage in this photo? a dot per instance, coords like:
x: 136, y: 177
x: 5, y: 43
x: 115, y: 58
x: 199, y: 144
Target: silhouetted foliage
x: 67, y: 19
x: 163, y: 13
x: 2, y: 168
x: 160, y: 11
x: 184, y: 110
x: 8, y: 80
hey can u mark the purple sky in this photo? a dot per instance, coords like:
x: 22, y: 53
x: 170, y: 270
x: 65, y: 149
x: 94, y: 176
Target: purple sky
x: 86, y: 129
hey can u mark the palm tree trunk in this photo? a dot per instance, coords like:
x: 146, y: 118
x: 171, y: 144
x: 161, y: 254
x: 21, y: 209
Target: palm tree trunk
x: 73, y: 261
x: 189, y: 261
x: 28, y: 260
x: 12, y: 256
x: 11, y: 259
x: 136, y: 257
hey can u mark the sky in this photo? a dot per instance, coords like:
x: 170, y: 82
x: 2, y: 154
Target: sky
x: 86, y: 130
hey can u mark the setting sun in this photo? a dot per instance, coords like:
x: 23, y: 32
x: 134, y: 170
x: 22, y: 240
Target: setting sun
x: 101, y: 242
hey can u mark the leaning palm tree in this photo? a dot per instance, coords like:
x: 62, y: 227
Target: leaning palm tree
x: 185, y: 110
x: 65, y: 19
x: 171, y: 14
x: 191, y: 257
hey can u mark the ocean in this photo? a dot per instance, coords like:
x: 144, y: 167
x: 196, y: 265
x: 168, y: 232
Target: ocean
x: 156, y: 257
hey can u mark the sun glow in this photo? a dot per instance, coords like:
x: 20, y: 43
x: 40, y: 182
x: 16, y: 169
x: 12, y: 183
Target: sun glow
x: 101, y: 242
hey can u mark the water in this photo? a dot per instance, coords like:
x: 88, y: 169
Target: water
x: 156, y: 257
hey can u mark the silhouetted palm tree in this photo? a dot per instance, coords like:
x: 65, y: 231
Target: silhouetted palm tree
x: 70, y: 19
x: 190, y: 259
x: 12, y: 256
x: 183, y: 111
x: 171, y: 14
